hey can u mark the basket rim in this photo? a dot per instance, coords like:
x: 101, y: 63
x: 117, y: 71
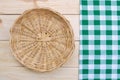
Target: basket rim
x: 72, y: 39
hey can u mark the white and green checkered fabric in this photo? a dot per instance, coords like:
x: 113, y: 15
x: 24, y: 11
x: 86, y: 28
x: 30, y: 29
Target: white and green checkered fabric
x: 99, y: 40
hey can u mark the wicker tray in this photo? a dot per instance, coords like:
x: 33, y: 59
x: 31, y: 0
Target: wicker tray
x: 42, y: 39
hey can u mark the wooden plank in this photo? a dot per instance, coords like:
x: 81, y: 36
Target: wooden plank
x: 10, y: 69
x: 21, y: 73
x: 7, y: 59
x: 19, y: 6
x: 8, y: 21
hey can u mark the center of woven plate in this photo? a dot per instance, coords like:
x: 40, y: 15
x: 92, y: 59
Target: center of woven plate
x: 43, y: 37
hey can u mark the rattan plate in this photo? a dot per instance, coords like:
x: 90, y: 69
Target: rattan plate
x: 42, y: 39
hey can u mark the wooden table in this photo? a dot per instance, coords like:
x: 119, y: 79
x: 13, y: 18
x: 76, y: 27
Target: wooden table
x: 10, y: 69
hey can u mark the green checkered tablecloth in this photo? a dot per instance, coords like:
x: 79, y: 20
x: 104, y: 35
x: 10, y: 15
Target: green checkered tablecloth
x: 99, y: 40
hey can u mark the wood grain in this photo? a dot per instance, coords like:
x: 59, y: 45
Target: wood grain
x: 8, y: 21
x: 19, y: 6
x: 21, y: 73
x: 10, y: 69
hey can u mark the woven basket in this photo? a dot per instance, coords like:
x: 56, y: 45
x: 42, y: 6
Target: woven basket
x: 42, y: 39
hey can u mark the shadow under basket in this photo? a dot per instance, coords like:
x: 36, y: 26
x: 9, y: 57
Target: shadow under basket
x: 42, y: 39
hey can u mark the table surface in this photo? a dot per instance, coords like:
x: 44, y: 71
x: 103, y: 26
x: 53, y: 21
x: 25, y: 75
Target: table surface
x: 10, y: 69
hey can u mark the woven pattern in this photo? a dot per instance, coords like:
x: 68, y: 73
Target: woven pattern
x: 100, y: 40
x: 42, y: 39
